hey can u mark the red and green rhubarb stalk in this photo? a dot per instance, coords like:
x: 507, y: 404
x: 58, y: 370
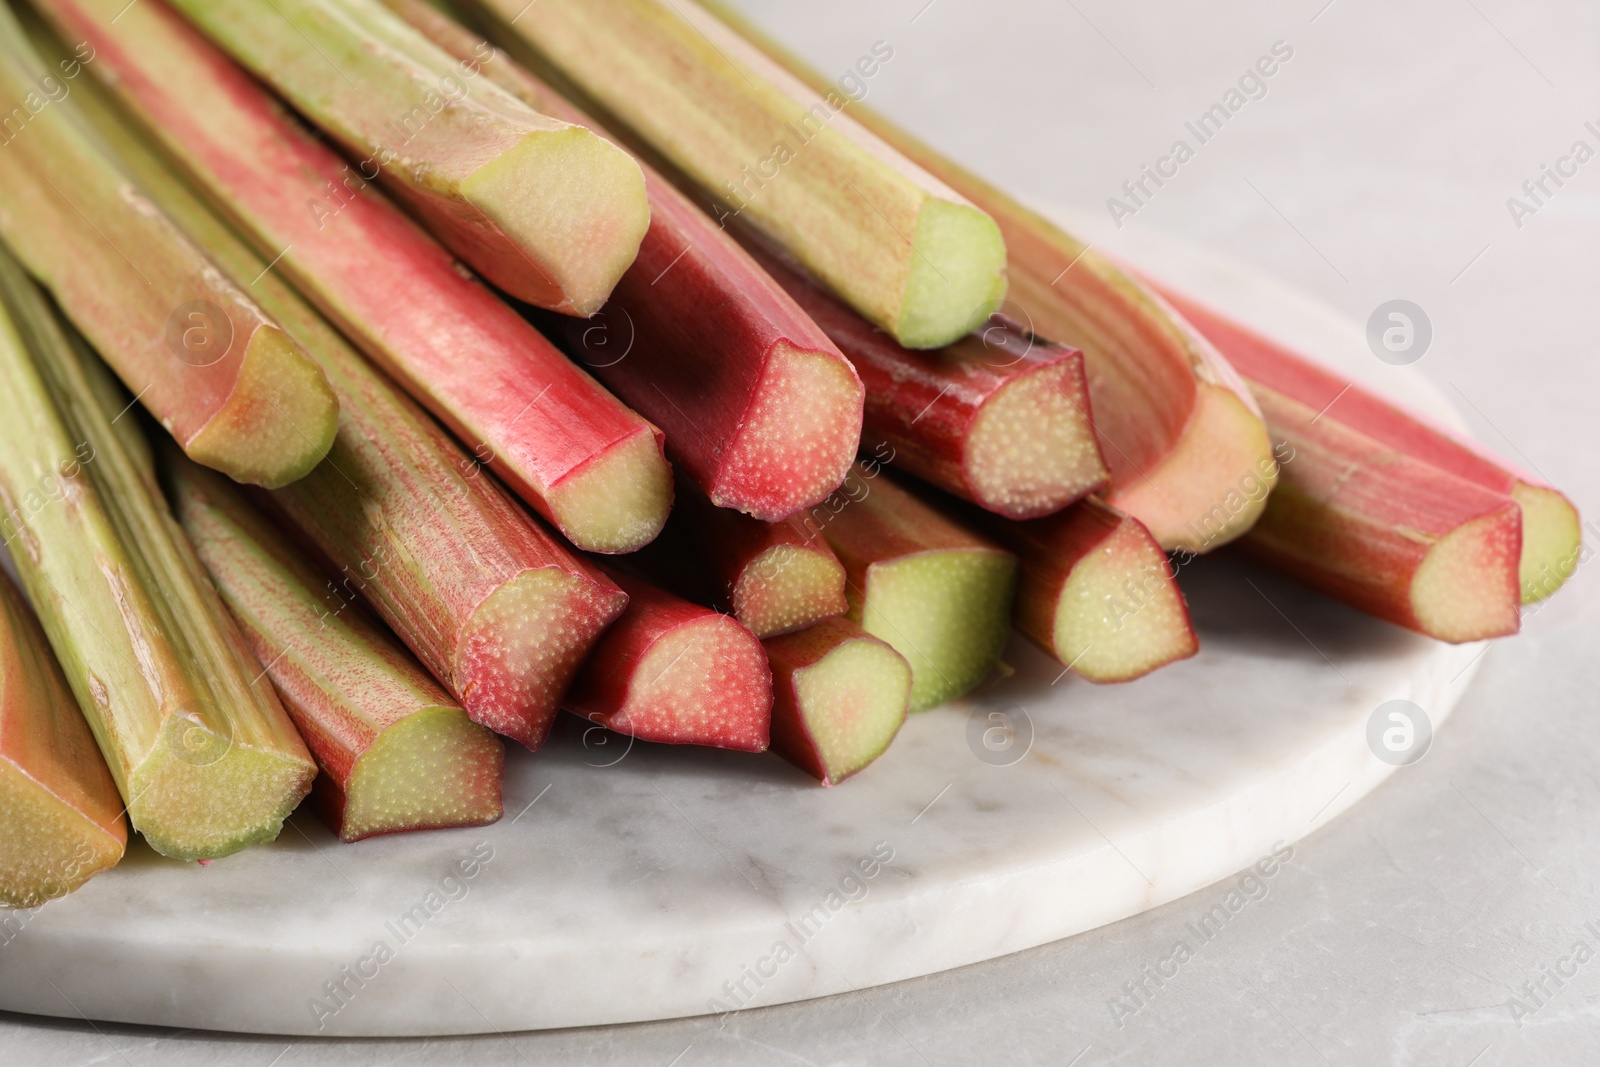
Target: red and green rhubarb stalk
x: 395, y: 751
x: 839, y: 697
x: 63, y: 821
x: 939, y: 594
x: 1551, y: 536
x: 901, y: 247
x: 205, y: 759
x: 201, y: 356
x: 775, y: 577
x: 676, y: 672
x: 547, y: 210
x: 574, y: 452
x: 999, y: 418
x: 491, y: 603
x: 1096, y: 591
x: 1388, y: 533
x: 1178, y: 428
x: 759, y: 408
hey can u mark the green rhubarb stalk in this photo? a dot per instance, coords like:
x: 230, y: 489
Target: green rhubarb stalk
x: 939, y: 594
x: 901, y: 247
x: 548, y: 211
x: 63, y: 821
x: 204, y: 756
x: 218, y: 374
x: 487, y: 599
x: 396, y: 752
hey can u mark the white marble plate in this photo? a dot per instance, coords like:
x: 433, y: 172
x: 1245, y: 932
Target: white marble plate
x: 646, y: 883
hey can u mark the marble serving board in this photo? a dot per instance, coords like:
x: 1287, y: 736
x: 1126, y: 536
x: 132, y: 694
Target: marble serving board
x: 632, y: 881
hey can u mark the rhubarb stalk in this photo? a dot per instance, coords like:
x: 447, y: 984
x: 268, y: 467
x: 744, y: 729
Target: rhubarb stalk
x: 900, y: 246
x: 678, y: 673
x: 212, y: 368
x: 839, y: 697
x: 205, y: 759
x: 1551, y: 537
x: 1179, y: 430
x: 63, y: 821
x: 487, y: 599
x: 999, y: 418
x: 1096, y: 591
x: 759, y: 408
x: 775, y: 577
x: 574, y: 452
x: 939, y: 594
x: 1388, y: 533
x: 547, y: 210
x: 395, y: 751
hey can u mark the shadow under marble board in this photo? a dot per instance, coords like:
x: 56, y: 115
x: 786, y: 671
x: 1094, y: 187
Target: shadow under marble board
x: 641, y: 882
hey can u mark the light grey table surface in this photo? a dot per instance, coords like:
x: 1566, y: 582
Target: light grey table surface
x: 1377, y: 165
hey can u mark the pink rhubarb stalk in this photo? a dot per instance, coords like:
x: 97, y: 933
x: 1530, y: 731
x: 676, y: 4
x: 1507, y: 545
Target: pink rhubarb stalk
x: 998, y: 418
x: 839, y: 697
x: 759, y: 408
x: 63, y: 821
x: 492, y: 603
x: 196, y: 349
x: 569, y: 448
x: 1551, y: 536
x: 678, y: 673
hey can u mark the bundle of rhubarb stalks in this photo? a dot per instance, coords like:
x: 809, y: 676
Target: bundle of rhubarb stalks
x: 368, y: 390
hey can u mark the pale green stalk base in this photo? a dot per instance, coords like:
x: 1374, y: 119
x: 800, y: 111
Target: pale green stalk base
x: 433, y: 768
x: 853, y: 702
x: 1552, y: 540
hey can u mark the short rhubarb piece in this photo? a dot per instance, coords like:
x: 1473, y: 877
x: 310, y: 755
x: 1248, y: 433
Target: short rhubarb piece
x: 576, y: 454
x: 759, y: 408
x: 214, y: 370
x: 1551, y: 534
x: 63, y: 818
x: 206, y: 762
x: 1387, y: 533
x: 677, y: 673
x: 548, y: 211
x: 999, y: 418
x: 908, y: 253
x: 491, y: 602
x: 839, y: 697
x: 938, y: 593
x: 776, y: 577
x: 1096, y: 592
x: 1179, y: 430
x: 395, y: 751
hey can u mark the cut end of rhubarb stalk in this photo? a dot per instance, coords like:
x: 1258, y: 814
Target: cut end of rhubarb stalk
x: 1449, y: 596
x: 787, y: 588
x: 618, y: 501
x: 434, y: 768
x: 947, y: 611
x: 793, y: 449
x: 200, y: 795
x: 1032, y: 450
x: 1551, y: 540
x: 48, y: 847
x: 279, y: 421
x: 956, y: 280
x: 525, y: 643
x: 1213, y: 485
x: 1121, y: 615
x: 853, y: 702
x: 585, y: 232
x: 707, y: 681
